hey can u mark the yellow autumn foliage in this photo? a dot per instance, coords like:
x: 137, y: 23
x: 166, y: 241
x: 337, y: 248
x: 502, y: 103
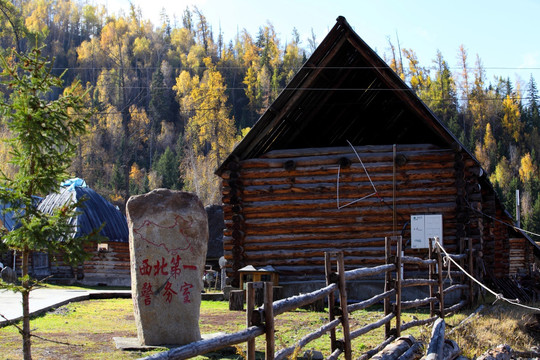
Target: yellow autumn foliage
x: 527, y: 168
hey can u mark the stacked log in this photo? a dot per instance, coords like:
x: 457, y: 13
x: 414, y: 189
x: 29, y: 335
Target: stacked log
x: 501, y: 247
x: 297, y: 204
x: 398, y: 348
x: 518, y: 255
x: 109, y: 266
x: 462, y: 210
x: 489, y: 208
x: 440, y: 348
x: 237, y: 224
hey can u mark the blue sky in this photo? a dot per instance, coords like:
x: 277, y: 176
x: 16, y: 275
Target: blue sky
x: 504, y: 34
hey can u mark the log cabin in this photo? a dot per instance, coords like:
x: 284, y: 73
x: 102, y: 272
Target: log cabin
x: 109, y: 261
x: 345, y: 156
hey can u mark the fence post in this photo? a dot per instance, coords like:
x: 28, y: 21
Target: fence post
x: 399, y: 274
x: 250, y: 306
x: 343, y: 304
x: 440, y: 273
x: 430, y: 274
x: 269, y: 320
x: 387, y: 285
x: 331, y: 298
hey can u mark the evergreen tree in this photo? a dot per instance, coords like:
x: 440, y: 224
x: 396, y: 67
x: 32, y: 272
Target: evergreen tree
x: 532, y: 222
x: 532, y: 114
x: 42, y: 144
x: 168, y: 169
x: 441, y: 95
x: 162, y: 108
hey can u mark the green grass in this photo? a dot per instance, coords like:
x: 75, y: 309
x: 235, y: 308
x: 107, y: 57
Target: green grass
x: 89, y: 328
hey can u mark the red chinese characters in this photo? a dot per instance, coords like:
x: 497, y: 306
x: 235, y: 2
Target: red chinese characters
x: 175, y: 266
x: 172, y: 270
x: 186, y: 292
x: 160, y: 269
x: 146, y: 293
x: 145, y: 268
x: 169, y: 292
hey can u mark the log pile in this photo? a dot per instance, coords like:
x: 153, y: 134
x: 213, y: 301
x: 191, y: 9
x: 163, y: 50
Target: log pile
x: 440, y: 348
x: 405, y: 347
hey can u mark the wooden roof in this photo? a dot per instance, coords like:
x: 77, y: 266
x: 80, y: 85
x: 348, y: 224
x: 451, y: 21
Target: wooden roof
x: 344, y: 92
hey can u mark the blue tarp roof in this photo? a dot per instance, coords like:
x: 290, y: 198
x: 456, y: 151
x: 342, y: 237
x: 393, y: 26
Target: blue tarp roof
x: 8, y: 218
x: 94, y: 211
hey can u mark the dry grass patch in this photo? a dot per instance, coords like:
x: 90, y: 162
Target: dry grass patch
x: 498, y: 324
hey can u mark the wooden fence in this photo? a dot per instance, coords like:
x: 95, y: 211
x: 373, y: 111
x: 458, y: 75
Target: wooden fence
x: 260, y: 321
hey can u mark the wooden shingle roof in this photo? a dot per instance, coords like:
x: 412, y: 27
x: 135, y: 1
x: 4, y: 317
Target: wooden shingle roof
x: 344, y: 92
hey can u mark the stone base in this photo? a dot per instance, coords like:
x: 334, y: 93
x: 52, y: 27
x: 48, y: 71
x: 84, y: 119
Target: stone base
x: 132, y: 343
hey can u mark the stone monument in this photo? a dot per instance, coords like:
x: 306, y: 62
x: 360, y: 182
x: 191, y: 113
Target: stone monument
x: 168, y: 239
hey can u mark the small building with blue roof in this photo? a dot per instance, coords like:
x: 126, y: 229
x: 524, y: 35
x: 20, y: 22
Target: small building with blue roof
x: 109, y: 261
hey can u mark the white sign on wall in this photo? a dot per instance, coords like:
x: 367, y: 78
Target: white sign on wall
x: 424, y: 227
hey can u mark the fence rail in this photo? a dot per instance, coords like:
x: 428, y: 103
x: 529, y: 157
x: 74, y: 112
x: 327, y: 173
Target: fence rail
x: 260, y: 321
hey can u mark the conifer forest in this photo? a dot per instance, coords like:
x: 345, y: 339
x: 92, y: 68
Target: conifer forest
x: 170, y: 100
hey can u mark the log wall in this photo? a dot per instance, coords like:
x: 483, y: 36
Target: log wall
x: 282, y: 209
x: 110, y: 267
x: 518, y: 255
x: 286, y: 209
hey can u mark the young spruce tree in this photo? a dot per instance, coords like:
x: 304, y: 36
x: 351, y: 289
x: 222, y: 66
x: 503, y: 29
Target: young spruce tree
x: 42, y: 148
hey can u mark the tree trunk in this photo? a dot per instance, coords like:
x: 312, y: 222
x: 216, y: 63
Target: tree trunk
x: 27, y: 352
x: 436, y: 345
x: 236, y: 300
x: 395, y: 349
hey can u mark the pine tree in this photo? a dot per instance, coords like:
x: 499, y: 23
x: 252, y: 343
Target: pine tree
x: 42, y: 145
x: 168, y: 169
x: 532, y: 115
x: 441, y: 95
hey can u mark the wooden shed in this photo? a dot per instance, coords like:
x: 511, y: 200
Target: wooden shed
x: 346, y: 156
x: 109, y: 263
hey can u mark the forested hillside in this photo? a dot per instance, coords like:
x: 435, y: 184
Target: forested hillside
x: 172, y: 99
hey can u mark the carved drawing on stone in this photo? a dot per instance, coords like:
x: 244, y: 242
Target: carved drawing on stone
x: 168, y: 242
x: 172, y: 268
